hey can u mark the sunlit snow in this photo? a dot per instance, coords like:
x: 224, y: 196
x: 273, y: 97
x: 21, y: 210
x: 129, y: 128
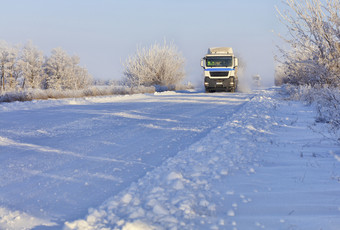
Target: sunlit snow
x: 174, y: 160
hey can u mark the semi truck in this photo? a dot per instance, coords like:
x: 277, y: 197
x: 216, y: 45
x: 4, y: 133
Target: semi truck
x: 220, y: 70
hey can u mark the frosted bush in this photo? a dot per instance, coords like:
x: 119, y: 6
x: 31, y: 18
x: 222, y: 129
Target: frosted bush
x: 40, y: 94
x: 325, y: 99
x: 328, y: 107
x: 160, y: 65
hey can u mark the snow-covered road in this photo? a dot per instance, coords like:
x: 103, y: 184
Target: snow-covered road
x: 61, y: 157
x: 184, y: 160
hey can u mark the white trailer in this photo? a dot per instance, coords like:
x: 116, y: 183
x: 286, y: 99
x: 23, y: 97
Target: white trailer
x: 220, y: 68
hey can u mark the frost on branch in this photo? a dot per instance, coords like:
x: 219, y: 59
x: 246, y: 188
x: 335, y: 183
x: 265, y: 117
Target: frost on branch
x: 64, y: 72
x: 27, y: 68
x: 9, y: 72
x: 158, y: 65
x: 314, y: 39
x: 31, y: 67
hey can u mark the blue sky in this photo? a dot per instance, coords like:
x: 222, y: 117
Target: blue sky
x: 104, y: 33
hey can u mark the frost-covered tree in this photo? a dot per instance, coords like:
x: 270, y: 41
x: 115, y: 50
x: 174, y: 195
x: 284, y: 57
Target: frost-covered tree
x: 158, y: 65
x: 57, y: 69
x: 31, y: 66
x: 9, y: 71
x: 64, y: 72
x: 81, y: 78
x: 314, y: 31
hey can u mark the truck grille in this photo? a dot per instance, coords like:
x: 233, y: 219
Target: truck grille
x: 219, y: 74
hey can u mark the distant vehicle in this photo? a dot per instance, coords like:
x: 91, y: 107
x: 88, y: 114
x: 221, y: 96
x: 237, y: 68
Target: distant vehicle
x: 220, y: 67
x: 256, y: 80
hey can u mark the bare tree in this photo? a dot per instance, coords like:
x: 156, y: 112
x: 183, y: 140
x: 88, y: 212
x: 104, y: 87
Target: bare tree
x: 158, y: 65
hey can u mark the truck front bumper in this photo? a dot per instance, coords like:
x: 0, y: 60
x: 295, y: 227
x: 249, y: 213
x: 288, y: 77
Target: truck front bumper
x: 219, y: 84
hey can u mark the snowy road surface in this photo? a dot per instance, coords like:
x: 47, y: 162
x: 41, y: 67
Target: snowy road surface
x: 167, y: 161
x: 58, y: 158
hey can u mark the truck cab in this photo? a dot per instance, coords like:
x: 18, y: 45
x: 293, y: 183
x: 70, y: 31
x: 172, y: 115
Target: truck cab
x: 220, y: 67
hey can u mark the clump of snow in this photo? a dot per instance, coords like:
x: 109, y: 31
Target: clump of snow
x: 20, y: 220
x: 137, y: 225
x: 126, y: 199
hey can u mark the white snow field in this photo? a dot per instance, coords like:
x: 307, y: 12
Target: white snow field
x: 173, y: 160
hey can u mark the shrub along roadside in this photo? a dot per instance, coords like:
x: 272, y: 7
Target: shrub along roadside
x: 58, y: 94
x: 326, y: 101
x: 93, y: 91
x: 158, y: 65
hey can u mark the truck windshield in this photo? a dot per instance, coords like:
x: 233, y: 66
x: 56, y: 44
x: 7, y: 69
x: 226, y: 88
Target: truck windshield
x: 219, y: 61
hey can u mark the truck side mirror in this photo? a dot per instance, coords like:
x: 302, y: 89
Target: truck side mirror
x: 236, y: 62
x: 202, y: 62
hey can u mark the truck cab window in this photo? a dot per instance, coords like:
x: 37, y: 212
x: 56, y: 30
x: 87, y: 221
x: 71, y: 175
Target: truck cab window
x: 219, y: 61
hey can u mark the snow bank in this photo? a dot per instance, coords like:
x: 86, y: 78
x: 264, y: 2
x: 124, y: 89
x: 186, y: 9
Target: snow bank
x: 262, y: 169
x: 42, y: 104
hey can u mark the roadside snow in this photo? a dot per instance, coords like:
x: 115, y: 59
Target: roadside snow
x: 212, y: 161
x: 267, y: 167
